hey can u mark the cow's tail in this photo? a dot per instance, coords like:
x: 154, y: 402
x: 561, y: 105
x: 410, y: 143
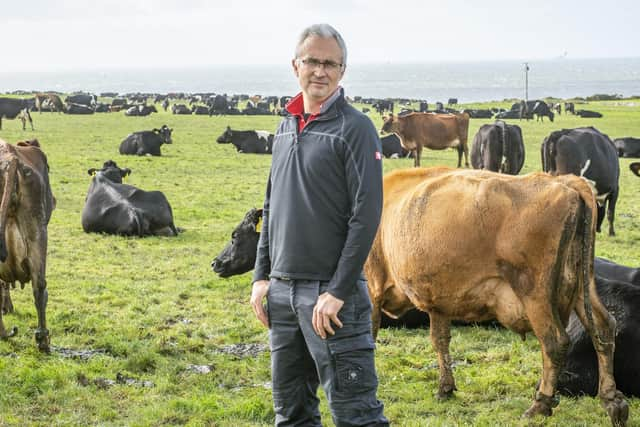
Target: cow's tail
x: 7, y: 190
x: 505, y: 166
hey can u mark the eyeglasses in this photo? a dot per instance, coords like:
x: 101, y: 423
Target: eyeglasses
x: 315, y: 63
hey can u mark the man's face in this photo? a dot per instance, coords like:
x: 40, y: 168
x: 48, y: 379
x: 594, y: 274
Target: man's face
x: 318, y: 81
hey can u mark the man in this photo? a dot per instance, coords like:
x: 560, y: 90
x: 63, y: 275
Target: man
x: 320, y: 216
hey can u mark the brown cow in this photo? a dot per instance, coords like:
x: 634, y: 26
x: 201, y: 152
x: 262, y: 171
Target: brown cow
x: 635, y: 168
x: 25, y: 209
x: 435, y: 131
x: 476, y: 245
x: 55, y: 103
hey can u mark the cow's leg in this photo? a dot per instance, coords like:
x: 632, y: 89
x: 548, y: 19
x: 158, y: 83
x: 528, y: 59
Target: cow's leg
x: 6, y: 305
x: 40, y: 296
x: 554, y: 343
x: 601, y: 327
x: 611, y: 210
x: 4, y: 292
x: 440, y: 338
x: 418, y: 152
x: 601, y: 215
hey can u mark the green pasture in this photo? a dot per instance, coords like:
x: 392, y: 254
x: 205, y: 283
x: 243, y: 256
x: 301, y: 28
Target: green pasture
x: 148, y: 309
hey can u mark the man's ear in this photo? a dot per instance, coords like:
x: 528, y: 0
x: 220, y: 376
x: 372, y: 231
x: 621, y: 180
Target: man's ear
x: 294, y: 64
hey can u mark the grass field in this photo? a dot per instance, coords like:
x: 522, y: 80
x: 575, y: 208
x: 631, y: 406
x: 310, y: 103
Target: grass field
x: 150, y: 309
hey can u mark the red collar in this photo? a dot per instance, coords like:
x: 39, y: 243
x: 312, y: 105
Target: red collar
x: 296, y: 107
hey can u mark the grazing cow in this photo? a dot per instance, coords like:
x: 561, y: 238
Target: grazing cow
x: 499, y: 148
x: 627, y: 147
x: 140, y: 110
x: 589, y: 153
x: 51, y: 99
x: 635, y: 168
x: 112, y: 207
x: 569, y: 107
x: 165, y: 104
x: 86, y: 99
x: 25, y: 209
x: 10, y: 108
x: 580, y: 375
x: 452, y: 101
x: 78, y: 109
x: 146, y: 142
x: 180, y: 109
x: 536, y: 108
x: 476, y: 245
x: 392, y: 148
x: 437, y: 132
x: 248, y: 141
x: 219, y: 105
x: 588, y: 114
x: 239, y: 256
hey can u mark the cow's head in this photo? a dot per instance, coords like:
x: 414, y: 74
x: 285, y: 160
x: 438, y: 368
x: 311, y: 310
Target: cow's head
x: 239, y: 256
x: 635, y: 168
x: 388, y: 123
x: 226, y: 136
x: 111, y: 171
x: 165, y: 133
x: 551, y: 115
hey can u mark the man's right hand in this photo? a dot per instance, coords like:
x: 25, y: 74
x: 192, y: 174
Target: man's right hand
x: 258, y: 292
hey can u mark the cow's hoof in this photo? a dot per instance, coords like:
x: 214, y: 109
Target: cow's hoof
x: 13, y: 332
x: 617, y: 408
x: 42, y: 338
x: 542, y: 405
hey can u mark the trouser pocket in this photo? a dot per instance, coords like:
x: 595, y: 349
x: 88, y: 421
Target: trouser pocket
x: 354, y: 365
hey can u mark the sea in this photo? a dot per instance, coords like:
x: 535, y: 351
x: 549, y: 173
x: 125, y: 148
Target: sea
x: 434, y: 81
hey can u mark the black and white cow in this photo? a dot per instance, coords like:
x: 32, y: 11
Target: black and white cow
x: 200, y: 110
x: 498, y: 147
x: 535, y: 108
x: 622, y: 300
x: 112, y: 207
x: 78, y: 109
x: 180, y: 109
x: 10, y: 108
x: 86, y: 99
x: 140, y: 110
x: 146, y: 142
x: 392, y: 148
x: 248, y: 141
x: 628, y: 147
x: 589, y: 153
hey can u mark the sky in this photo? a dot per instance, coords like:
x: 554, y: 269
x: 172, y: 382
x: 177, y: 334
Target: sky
x: 47, y: 35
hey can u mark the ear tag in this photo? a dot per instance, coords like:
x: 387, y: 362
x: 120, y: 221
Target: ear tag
x: 93, y: 174
x: 259, y: 225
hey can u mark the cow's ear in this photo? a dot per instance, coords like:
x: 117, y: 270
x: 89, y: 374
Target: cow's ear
x: 156, y: 130
x: 125, y: 172
x: 92, y: 171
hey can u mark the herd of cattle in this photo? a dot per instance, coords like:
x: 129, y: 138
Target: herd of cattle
x: 519, y: 249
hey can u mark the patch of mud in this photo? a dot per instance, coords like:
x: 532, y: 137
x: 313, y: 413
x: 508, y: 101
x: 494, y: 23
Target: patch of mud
x: 105, y: 383
x: 266, y: 385
x: 242, y: 350
x: 200, y: 369
x: 77, y: 354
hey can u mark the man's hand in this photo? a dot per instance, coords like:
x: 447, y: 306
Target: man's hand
x: 326, y: 311
x: 258, y: 292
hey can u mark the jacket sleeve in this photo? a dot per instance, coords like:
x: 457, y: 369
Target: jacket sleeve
x: 263, y: 260
x: 363, y: 172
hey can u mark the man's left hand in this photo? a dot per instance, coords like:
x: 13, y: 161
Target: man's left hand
x: 326, y: 311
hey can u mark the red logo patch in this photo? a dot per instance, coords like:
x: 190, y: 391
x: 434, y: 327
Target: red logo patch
x: 378, y: 155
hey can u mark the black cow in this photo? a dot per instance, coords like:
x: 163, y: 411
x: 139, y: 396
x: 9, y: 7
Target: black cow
x: 165, y: 104
x: 219, y: 105
x: 423, y: 106
x: 588, y: 114
x: 610, y: 270
x: 586, y: 152
x: 383, y: 105
x: 79, y: 109
x: 140, y: 110
x: 248, y: 141
x: 115, y: 208
x: 452, y: 101
x: 200, y: 110
x: 146, y: 141
x: 180, y: 109
x: 10, y: 108
x: 87, y: 99
x: 479, y: 113
x: 391, y: 147
x: 239, y: 256
x: 536, y: 108
x: 499, y: 148
x: 635, y: 168
x: 511, y: 114
x: 627, y: 147
x: 622, y: 300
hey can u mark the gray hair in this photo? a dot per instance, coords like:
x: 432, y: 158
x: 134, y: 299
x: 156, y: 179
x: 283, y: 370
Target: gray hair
x: 325, y: 31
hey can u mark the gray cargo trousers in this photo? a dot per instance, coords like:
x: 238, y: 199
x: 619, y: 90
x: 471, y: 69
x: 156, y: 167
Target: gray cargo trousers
x: 301, y: 360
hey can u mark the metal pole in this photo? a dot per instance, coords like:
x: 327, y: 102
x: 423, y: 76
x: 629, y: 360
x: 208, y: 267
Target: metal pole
x: 526, y: 81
